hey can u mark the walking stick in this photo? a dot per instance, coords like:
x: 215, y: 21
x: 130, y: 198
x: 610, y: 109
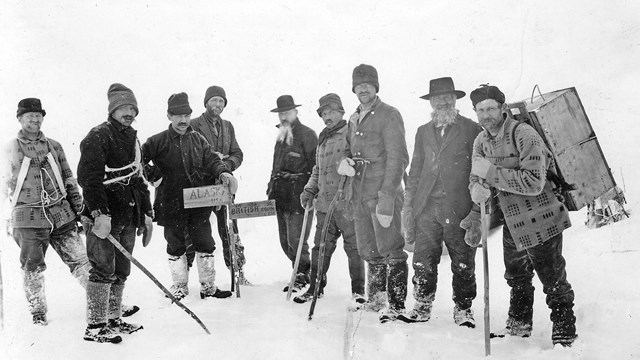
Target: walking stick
x: 323, y: 241
x: 298, y: 253
x: 231, y: 235
x: 155, y: 281
x: 484, y: 227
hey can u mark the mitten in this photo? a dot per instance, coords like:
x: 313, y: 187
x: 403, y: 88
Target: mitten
x: 384, y: 209
x: 473, y: 225
x: 102, y: 226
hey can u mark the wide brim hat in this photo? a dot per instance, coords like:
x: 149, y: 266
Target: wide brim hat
x: 442, y: 86
x: 330, y: 100
x: 284, y: 103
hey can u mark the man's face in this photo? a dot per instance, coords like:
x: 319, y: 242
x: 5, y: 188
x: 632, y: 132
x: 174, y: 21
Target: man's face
x: 287, y: 117
x: 366, y: 93
x: 331, y: 117
x: 216, y: 105
x: 489, y: 114
x: 443, y: 102
x: 180, y: 123
x: 31, y: 122
x: 125, y: 115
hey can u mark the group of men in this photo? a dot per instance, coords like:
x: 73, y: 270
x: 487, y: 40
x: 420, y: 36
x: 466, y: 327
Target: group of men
x: 352, y: 176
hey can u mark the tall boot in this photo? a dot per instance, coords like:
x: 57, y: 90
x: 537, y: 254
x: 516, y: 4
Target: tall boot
x: 397, y: 276
x: 564, y: 324
x: 520, y: 320
x: 376, y: 287
x: 33, y: 283
x: 115, y: 312
x: 97, y: 314
x: 179, y: 276
x: 207, y: 275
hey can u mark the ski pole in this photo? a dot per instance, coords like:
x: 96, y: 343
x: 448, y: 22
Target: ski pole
x: 155, y: 281
x: 484, y: 228
x: 298, y: 253
x: 323, y: 241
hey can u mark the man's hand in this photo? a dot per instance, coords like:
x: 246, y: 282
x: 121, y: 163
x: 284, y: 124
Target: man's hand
x: 146, y: 230
x: 473, y: 225
x: 480, y: 193
x: 87, y: 224
x: 346, y: 167
x: 102, y: 226
x: 306, y: 199
x: 230, y: 181
x: 480, y: 167
x: 384, y: 209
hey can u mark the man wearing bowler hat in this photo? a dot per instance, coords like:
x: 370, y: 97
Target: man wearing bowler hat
x: 437, y: 200
x: 183, y: 158
x: 294, y: 157
x: 376, y: 164
x: 221, y: 134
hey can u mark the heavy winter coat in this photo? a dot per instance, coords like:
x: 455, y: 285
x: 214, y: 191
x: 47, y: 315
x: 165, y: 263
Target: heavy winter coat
x: 40, y: 202
x: 447, y: 161
x: 325, y: 179
x: 530, y: 208
x: 378, y: 139
x: 223, y: 141
x: 114, y: 145
x: 292, y: 167
x: 183, y: 161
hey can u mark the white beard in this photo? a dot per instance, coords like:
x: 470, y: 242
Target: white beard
x: 444, y: 117
x: 285, y: 134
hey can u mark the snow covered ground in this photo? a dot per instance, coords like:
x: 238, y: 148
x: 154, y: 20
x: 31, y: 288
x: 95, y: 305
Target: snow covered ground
x: 67, y: 53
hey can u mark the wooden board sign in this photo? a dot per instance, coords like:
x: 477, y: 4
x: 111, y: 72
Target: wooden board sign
x: 252, y: 209
x: 204, y: 196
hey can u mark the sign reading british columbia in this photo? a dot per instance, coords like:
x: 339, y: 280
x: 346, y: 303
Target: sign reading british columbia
x: 252, y: 209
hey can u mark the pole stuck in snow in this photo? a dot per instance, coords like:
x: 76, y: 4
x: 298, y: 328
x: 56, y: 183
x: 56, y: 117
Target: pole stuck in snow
x: 298, y: 253
x: 484, y: 227
x: 155, y: 281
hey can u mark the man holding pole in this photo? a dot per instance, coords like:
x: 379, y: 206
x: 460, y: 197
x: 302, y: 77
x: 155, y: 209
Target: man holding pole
x: 512, y: 160
x: 293, y: 159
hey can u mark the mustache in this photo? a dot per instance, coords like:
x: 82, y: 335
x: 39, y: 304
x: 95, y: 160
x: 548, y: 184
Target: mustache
x: 128, y: 117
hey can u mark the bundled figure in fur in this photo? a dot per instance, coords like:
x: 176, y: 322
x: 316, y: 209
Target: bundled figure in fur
x: 318, y: 193
x: 182, y: 158
x: 511, y: 160
x: 437, y: 200
x: 116, y: 203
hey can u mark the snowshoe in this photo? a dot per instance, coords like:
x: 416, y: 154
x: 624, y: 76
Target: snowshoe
x: 307, y: 296
x: 464, y: 317
x: 118, y: 326
x: 40, y: 319
x: 128, y: 310
x: 101, y: 333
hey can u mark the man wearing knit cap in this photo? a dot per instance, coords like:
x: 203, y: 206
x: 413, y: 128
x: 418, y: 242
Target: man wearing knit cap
x: 320, y: 190
x: 45, y: 202
x: 436, y: 200
x: 222, y: 137
x: 294, y: 157
x: 182, y: 158
x: 116, y: 202
x: 376, y: 163
x: 511, y: 161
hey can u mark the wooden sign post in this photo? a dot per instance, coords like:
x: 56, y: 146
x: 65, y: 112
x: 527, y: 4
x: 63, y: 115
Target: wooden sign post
x: 204, y: 196
x: 252, y: 209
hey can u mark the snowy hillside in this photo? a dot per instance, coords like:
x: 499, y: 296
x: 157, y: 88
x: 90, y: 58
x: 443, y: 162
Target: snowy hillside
x: 67, y: 53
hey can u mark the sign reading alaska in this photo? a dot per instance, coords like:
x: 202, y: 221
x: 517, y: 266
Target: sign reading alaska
x: 204, y: 196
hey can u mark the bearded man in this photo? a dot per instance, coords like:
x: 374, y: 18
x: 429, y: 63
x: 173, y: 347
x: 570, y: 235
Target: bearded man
x: 437, y: 200
x: 294, y: 157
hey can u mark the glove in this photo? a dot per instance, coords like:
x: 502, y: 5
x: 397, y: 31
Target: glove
x: 146, y: 230
x: 384, y: 209
x: 346, y: 167
x: 473, y: 226
x: 87, y: 224
x: 479, y: 193
x: 480, y: 167
x: 230, y: 181
x: 408, y: 225
x: 306, y: 199
x: 102, y: 226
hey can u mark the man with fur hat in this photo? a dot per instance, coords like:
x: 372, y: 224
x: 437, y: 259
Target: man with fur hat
x: 46, y: 202
x: 376, y: 164
x: 294, y: 157
x: 511, y: 160
x: 222, y: 137
x: 323, y: 187
x: 183, y: 158
x: 436, y: 200
x: 116, y: 202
